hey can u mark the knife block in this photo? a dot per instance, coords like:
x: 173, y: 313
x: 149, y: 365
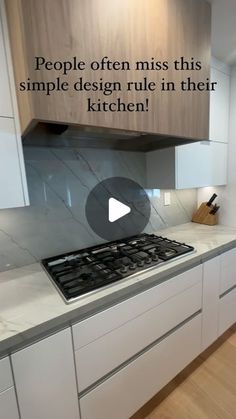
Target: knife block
x: 203, y: 216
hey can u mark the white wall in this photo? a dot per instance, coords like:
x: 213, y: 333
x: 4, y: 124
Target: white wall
x: 227, y: 195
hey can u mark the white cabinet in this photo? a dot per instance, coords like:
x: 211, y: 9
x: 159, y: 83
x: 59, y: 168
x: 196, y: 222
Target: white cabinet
x: 219, y: 102
x: 6, y: 109
x: 13, y: 186
x: 199, y: 164
x: 103, y: 354
x: 121, y: 395
x: 219, y: 296
x: 228, y: 271
x: 188, y: 166
x: 8, y: 404
x: 6, y: 380
x: 227, y: 311
x: 210, y: 301
x: 227, y: 304
x: 45, y: 379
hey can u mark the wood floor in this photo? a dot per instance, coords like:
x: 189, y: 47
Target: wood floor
x: 204, y: 390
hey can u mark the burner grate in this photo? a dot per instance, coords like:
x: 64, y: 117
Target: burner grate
x: 84, y: 271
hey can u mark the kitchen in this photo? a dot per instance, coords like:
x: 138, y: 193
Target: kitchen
x: 108, y: 291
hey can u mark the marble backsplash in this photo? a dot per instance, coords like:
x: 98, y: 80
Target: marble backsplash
x: 59, y: 181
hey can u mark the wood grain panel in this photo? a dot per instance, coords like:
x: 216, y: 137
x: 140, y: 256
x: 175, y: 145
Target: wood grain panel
x: 17, y: 39
x: 122, y: 30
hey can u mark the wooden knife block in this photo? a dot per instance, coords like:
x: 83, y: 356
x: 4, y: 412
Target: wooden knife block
x: 203, y: 216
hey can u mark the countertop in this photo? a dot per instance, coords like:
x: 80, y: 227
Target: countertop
x: 31, y: 308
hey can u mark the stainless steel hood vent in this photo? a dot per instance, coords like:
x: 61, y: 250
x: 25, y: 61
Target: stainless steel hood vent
x: 57, y: 135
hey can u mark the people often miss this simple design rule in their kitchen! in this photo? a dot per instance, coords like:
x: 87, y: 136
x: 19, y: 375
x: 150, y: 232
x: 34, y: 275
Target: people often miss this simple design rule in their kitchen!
x: 108, y: 91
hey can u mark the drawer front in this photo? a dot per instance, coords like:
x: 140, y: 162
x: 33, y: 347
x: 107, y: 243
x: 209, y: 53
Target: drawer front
x: 210, y: 301
x: 45, y: 378
x: 100, y: 357
x: 125, y: 392
x: 6, y: 380
x: 102, y: 323
x: 228, y: 270
x: 227, y: 313
x: 8, y: 405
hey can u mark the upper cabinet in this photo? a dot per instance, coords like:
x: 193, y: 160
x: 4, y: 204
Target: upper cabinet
x: 199, y: 164
x: 124, y: 30
x: 5, y: 95
x: 13, y: 184
x: 219, y: 102
x: 188, y: 166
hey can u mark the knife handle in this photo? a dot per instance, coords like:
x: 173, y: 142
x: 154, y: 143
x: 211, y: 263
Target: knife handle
x: 214, y: 210
x: 209, y: 203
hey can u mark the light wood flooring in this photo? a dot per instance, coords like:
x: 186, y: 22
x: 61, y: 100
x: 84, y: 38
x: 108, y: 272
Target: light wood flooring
x: 204, y: 390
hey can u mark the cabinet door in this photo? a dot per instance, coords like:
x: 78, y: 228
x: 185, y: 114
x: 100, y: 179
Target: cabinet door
x: 210, y: 301
x: 45, y: 379
x: 11, y: 176
x: 228, y: 271
x: 227, y: 312
x: 8, y: 405
x: 219, y: 106
x: 5, y: 95
x: 201, y: 164
x: 6, y: 380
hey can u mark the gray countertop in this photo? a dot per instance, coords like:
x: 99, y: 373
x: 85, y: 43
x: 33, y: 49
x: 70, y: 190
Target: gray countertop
x: 30, y: 306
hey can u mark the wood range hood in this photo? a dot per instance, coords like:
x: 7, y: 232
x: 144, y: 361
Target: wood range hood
x: 61, y: 135
x: 131, y: 31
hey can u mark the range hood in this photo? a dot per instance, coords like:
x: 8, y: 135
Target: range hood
x: 58, y: 135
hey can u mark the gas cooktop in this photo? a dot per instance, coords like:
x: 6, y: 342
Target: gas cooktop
x: 78, y: 273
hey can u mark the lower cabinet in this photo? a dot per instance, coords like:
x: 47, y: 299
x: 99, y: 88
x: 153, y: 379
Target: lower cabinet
x: 210, y: 301
x: 227, y: 311
x: 125, y: 392
x: 144, y: 319
x: 125, y: 354
x: 219, y: 296
x: 8, y: 405
x: 228, y: 271
x: 227, y: 291
x: 45, y: 379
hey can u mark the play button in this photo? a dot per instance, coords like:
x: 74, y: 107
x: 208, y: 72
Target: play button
x: 116, y: 208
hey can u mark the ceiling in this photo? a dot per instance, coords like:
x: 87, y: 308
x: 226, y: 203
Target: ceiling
x: 224, y: 30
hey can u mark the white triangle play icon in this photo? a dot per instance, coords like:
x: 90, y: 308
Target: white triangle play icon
x: 116, y: 210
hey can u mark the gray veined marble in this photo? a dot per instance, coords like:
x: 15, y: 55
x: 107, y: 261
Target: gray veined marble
x: 59, y: 181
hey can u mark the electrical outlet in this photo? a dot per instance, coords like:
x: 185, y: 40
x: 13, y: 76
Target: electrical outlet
x: 167, y: 199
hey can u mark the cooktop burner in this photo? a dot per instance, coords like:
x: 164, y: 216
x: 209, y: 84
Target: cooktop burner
x: 81, y: 272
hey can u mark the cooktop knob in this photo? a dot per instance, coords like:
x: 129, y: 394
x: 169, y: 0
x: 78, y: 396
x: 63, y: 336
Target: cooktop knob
x: 124, y: 269
x: 155, y: 257
x: 148, y: 260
